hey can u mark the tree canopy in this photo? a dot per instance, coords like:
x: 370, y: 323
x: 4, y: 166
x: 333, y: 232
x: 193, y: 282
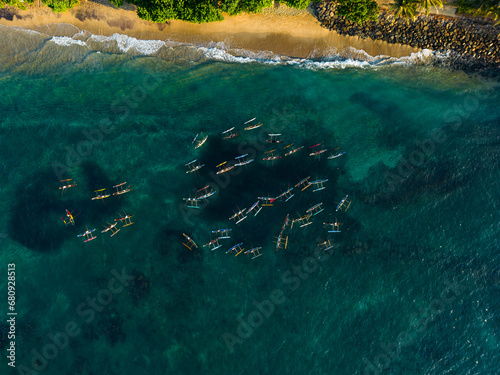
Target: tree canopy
x: 358, y: 10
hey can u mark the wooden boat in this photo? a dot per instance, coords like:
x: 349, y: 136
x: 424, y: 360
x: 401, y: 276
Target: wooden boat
x: 88, y: 235
x: 100, y: 194
x: 190, y: 244
x: 120, y: 189
x: 344, y: 204
x: 112, y: 228
x: 67, y: 185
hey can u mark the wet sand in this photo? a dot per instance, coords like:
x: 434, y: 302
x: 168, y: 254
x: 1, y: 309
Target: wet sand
x: 284, y: 31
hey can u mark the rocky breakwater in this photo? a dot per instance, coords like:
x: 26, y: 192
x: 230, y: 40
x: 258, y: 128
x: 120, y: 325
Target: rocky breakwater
x: 472, y: 44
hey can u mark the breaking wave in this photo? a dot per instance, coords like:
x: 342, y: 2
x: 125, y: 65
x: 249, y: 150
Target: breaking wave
x: 85, y: 42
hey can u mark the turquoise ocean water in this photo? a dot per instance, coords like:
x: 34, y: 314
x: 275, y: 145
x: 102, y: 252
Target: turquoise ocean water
x: 411, y: 285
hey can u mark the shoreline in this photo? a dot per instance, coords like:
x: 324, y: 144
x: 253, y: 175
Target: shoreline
x: 283, y: 31
x: 471, y: 43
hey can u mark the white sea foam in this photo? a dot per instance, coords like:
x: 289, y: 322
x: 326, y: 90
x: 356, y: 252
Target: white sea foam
x: 220, y: 51
x: 66, y: 41
x: 126, y: 43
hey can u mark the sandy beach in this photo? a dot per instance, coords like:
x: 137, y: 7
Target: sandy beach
x: 282, y: 30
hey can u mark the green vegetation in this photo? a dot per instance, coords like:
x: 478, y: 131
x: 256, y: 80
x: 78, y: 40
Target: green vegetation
x: 358, y: 10
x: 56, y: 5
x: 299, y: 4
x: 187, y: 10
x: 60, y: 5
x: 425, y: 5
x: 15, y: 3
x: 193, y: 10
x: 407, y: 9
x: 480, y: 8
x: 404, y: 8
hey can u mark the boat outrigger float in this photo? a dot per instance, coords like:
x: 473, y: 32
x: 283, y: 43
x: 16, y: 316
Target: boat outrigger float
x: 66, y: 185
x: 267, y: 201
x: 88, y: 235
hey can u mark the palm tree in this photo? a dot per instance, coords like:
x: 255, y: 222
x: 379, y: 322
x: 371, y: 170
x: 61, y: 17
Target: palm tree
x: 426, y: 4
x: 405, y: 9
